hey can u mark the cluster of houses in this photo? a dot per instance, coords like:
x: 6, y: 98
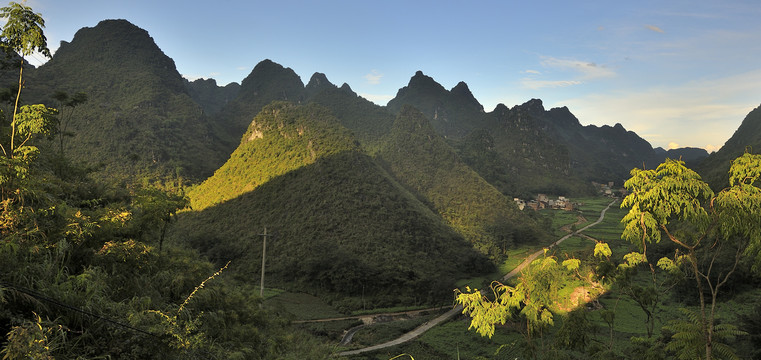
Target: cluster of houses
x: 608, y: 190
x: 544, y: 202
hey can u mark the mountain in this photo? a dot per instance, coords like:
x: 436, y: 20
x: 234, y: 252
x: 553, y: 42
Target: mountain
x: 689, y: 155
x: 282, y: 138
x: 526, y: 149
x: 452, y: 113
x: 267, y: 82
x: 517, y: 152
x: 368, y: 121
x: 422, y: 160
x: 139, y: 119
x: 343, y: 224
x: 747, y: 137
x: 211, y: 97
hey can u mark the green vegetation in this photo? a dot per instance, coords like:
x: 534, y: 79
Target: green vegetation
x: 139, y: 121
x: 345, y: 229
x: 82, y: 275
x: 428, y: 166
x: 669, y: 200
x: 282, y: 138
x: 105, y: 252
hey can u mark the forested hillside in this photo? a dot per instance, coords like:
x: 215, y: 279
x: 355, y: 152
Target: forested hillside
x: 422, y: 160
x: 344, y: 226
x: 138, y: 120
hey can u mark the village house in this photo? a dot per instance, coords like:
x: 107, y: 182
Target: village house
x: 544, y: 202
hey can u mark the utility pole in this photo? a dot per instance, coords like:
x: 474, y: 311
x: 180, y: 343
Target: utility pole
x: 264, y: 254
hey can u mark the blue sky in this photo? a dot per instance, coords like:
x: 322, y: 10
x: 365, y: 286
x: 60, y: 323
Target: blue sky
x: 679, y: 73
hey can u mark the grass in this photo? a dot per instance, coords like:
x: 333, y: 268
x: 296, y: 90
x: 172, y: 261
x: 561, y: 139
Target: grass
x: 515, y: 257
x: 302, y: 306
x: 271, y: 292
x: 573, y: 245
x: 594, y: 205
x: 562, y: 218
x: 331, y: 331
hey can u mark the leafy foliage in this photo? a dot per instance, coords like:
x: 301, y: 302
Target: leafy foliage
x: 673, y: 199
x: 22, y: 31
x: 688, y: 341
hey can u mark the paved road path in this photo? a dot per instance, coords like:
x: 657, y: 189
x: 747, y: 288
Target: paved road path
x: 458, y: 309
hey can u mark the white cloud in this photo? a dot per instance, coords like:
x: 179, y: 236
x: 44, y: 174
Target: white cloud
x: 539, y: 84
x: 690, y: 114
x: 654, y: 28
x: 381, y: 100
x: 672, y: 145
x: 587, y: 70
x: 710, y: 148
x: 573, y: 72
x: 374, y: 77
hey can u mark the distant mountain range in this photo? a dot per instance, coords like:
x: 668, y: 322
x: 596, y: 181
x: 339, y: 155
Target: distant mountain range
x: 422, y: 187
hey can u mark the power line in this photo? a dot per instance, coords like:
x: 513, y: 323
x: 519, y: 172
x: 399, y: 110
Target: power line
x: 73, y: 308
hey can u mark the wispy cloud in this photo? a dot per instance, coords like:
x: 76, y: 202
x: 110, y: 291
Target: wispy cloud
x: 539, y: 84
x: 374, y: 77
x: 572, y: 72
x: 587, y: 70
x: 654, y: 28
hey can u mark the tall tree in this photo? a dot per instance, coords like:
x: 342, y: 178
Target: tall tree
x: 673, y: 200
x: 22, y: 34
x: 62, y: 122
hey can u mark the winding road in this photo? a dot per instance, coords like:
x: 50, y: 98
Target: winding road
x: 458, y: 309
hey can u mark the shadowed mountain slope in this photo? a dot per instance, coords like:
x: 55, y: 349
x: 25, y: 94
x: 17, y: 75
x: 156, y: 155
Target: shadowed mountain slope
x: 746, y: 138
x: 452, y: 113
x: 422, y: 160
x: 343, y: 224
x: 526, y: 149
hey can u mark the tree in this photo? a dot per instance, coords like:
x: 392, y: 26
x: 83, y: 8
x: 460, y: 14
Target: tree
x: 673, y: 200
x: 530, y: 299
x: 157, y: 209
x: 62, y: 122
x: 649, y: 294
x: 23, y: 35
